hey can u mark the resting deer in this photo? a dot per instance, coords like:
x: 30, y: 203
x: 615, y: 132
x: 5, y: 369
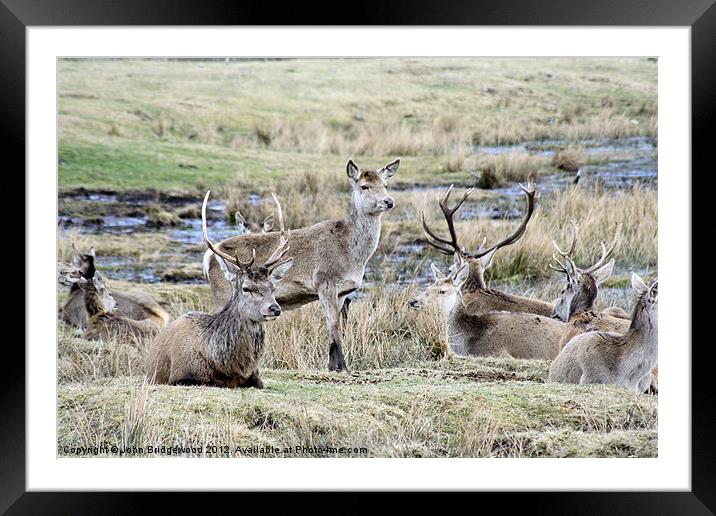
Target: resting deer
x: 133, y: 304
x: 577, y: 300
x: 100, y: 306
x: 330, y: 256
x: 624, y: 359
x: 484, y: 321
x: 576, y: 304
x: 477, y: 297
x: 496, y: 333
x: 223, y: 349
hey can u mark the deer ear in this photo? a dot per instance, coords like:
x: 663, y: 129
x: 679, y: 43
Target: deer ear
x: 389, y: 170
x: 437, y: 273
x: 654, y: 289
x: 352, y: 170
x: 603, y: 272
x: 229, y: 269
x: 486, y: 261
x: 461, y: 275
x: 268, y: 224
x: 92, y: 252
x: 279, y: 272
x: 638, y: 284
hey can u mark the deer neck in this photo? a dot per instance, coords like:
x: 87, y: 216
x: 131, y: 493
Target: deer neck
x: 363, y: 233
x: 232, y: 335
x: 475, y: 279
x: 93, y: 303
x: 642, y: 336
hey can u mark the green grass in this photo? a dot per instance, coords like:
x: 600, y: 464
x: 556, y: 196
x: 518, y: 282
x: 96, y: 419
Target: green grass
x: 179, y: 126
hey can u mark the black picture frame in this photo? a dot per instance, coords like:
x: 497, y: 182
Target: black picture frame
x: 700, y: 15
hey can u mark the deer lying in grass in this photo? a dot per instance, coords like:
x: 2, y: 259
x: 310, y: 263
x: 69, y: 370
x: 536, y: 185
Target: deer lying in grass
x: 133, y: 304
x: 476, y: 296
x: 624, y: 359
x: 483, y: 321
x: 331, y: 255
x: 223, y: 349
x: 577, y: 301
x: 100, y: 306
x: 576, y: 304
x: 496, y: 333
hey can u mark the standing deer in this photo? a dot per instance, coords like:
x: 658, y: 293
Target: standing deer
x: 100, y: 306
x: 625, y: 359
x: 330, y: 256
x: 223, y: 349
x: 493, y: 333
x: 133, y: 304
x: 477, y: 297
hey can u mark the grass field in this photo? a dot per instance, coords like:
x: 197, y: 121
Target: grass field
x: 186, y: 125
x: 148, y: 138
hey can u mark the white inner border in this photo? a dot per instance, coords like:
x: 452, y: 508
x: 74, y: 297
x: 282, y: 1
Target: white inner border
x: 671, y: 470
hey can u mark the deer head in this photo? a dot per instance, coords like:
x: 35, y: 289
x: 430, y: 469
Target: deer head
x: 479, y: 260
x: 97, y: 296
x: 253, y: 227
x: 444, y: 291
x: 253, y: 288
x: 581, y: 289
x: 648, y: 302
x: 370, y: 192
x: 85, y: 261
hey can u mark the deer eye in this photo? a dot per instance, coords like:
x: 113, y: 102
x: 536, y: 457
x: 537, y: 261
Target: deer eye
x: 364, y: 187
x: 248, y: 289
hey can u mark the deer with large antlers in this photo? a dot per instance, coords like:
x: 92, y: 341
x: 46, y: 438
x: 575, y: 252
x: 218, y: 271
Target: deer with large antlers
x: 477, y: 297
x: 482, y: 321
x: 132, y: 304
x: 330, y: 256
x: 223, y: 349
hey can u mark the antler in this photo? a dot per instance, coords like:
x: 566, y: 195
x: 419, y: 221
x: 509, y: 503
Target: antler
x: 283, y: 247
x: 605, y: 252
x: 567, y: 255
x: 575, y: 236
x: 530, y: 191
x: 443, y: 245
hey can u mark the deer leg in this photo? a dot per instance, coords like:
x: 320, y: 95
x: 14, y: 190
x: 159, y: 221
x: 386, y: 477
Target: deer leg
x: 344, y: 309
x: 328, y: 296
x: 254, y: 381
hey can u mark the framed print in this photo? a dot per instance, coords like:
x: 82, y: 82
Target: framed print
x: 424, y: 253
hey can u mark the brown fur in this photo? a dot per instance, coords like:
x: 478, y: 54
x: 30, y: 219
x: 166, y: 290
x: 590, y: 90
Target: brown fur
x: 101, y: 324
x: 626, y: 359
x: 221, y: 349
x: 134, y: 304
x: 517, y: 335
x: 330, y: 256
x: 478, y: 298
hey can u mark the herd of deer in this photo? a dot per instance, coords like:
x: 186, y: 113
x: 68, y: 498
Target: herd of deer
x: 326, y: 264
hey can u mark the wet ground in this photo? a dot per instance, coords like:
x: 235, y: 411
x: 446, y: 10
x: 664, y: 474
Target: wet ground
x: 609, y: 164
